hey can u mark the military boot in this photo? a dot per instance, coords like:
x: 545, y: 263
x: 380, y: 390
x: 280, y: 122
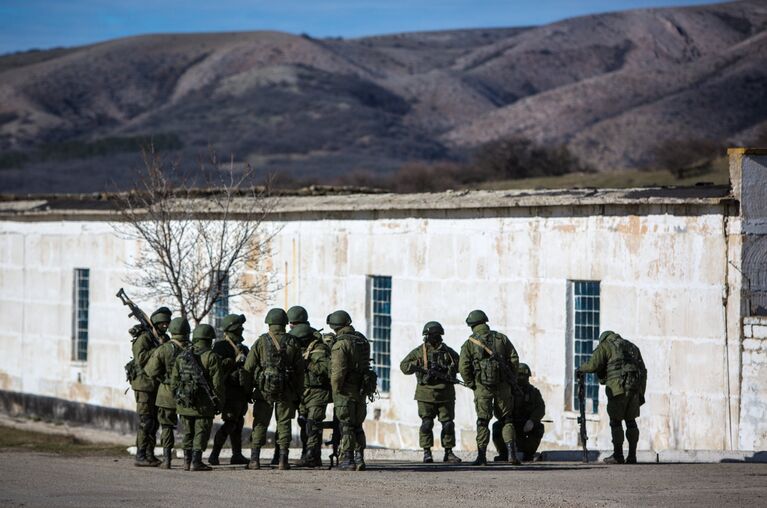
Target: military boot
x: 315, y: 456
x: 481, y: 459
x: 141, y: 460
x: 511, y: 450
x: 255, y: 458
x: 503, y: 455
x: 427, y: 458
x: 187, y: 459
x: 167, y: 456
x: 614, y: 459
x: 283, y: 463
x: 347, y: 463
x: 197, y: 463
x: 237, y: 457
x: 632, y: 436
x: 276, y: 456
x: 151, y: 457
x: 450, y: 456
x: 359, y: 458
x: 617, y: 434
x: 218, y: 442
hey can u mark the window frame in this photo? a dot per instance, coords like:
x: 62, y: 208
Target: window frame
x: 80, y: 307
x: 575, y: 356
x: 220, y: 308
x: 380, y: 347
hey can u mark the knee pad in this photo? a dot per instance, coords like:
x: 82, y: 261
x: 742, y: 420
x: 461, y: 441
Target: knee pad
x: 631, y: 424
x: 448, y: 427
x: 482, y: 423
x: 427, y: 424
x: 616, y: 425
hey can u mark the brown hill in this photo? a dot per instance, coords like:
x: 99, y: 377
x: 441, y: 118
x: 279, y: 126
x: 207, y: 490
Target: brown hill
x: 611, y: 87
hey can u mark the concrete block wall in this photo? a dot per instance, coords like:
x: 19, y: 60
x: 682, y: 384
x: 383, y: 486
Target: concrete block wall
x: 753, y: 416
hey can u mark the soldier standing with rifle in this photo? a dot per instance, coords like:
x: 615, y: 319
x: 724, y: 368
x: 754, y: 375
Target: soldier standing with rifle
x: 147, y: 336
x: 276, y: 368
x: 198, y: 385
x: 232, y: 352
x: 619, y: 366
x: 160, y: 368
x: 488, y: 365
x: 435, y: 366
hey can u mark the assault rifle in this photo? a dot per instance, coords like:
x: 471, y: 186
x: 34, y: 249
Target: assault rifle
x: 335, y: 438
x: 192, y: 360
x: 442, y: 376
x: 582, y: 417
x: 508, y: 372
x: 144, y: 322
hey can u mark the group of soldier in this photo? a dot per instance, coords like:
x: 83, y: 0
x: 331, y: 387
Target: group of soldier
x: 301, y: 370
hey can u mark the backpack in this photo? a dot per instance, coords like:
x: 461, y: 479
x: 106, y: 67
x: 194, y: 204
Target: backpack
x: 368, y: 377
x: 273, y: 376
x: 487, y: 367
x: 131, y: 371
x: 632, y: 369
x: 190, y: 380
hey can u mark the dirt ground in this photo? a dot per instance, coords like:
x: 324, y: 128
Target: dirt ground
x: 29, y: 478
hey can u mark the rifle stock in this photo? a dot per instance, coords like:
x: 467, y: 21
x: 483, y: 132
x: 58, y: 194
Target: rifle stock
x: 140, y: 315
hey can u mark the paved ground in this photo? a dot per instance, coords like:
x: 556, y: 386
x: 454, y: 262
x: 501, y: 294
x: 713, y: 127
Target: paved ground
x: 35, y: 479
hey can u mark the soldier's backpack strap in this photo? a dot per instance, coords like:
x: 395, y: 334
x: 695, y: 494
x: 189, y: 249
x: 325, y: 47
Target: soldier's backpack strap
x: 276, y: 343
x: 482, y: 345
x: 425, y: 357
x: 177, y: 344
x: 310, y: 349
x: 234, y: 346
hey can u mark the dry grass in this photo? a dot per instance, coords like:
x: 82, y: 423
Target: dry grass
x: 17, y: 439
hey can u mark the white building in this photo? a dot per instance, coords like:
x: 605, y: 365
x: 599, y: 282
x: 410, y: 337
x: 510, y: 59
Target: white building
x: 677, y: 271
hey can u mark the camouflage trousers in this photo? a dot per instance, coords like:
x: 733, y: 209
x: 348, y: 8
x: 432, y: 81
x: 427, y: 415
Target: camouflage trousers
x: 498, y: 402
x: 196, y: 432
x: 313, y: 416
x: 146, y: 436
x: 168, y: 420
x: 284, y: 412
x: 445, y: 412
x: 527, y: 442
x: 351, y: 415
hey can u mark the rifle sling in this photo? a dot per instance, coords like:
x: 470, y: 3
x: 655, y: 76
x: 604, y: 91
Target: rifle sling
x: 234, y: 346
x: 480, y: 344
x: 425, y: 358
x: 310, y: 349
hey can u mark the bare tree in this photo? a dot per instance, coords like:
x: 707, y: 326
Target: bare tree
x: 197, y: 245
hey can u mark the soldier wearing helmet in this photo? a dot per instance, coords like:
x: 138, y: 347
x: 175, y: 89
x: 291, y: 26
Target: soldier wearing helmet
x: 159, y: 367
x: 145, y: 388
x: 276, y: 369
x: 432, y: 362
x: 232, y: 352
x: 529, y: 409
x: 488, y: 359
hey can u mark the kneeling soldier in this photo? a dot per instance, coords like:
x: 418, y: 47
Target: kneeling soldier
x: 488, y: 365
x: 198, y: 384
x: 528, y: 412
x: 160, y: 368
x: 317, y: 395
x: 434, y: 365
x: 276, y: 369
x: 232, y: 352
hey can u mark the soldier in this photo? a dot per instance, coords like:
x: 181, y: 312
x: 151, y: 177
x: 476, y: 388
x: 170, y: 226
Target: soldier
x: 434, y: 364
x: 160, y: 367
x: 317, y: 393
x: 198, y: 384
x: 276, y: 369
x: 145, y: 388
x: 352, y: 382
x: 528, y: 412
x: 488, y: 365
x: 619, y: 366
x: 297, y: 315
x: 232, y: 352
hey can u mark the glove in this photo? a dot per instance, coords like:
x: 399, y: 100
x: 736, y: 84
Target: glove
x: 529, y: 424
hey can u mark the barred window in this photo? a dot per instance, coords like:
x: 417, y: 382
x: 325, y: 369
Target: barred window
x: 583, y: 326
x: 80, y: 304
x: 379, y: 324
x: 221, y: 306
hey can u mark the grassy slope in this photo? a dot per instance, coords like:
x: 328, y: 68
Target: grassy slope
x: 17, y: 439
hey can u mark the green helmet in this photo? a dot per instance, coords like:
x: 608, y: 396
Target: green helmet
x: 524, y: 370
x: 339, y: 319
x: 476, y: 317
x: 179, y: 326
x: 606, y: 335
x: 232, y: 322
x: 302, y: 331
x: 433, y: 327
x: 276, y: 316
x: 161, y: 315
x: 297, y: 314
x: 203, y: 332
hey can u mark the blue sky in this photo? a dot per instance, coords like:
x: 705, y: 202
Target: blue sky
x: 26, y: 24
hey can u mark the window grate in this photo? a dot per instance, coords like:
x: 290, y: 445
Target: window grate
x: 80, y: 305
x: 379, y: 333
x: 220, y: 307
x: 584, y: 315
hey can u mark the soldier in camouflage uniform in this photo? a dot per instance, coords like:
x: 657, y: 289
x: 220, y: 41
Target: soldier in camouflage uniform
x: 197, y: 416
x: 350, y: 379
x: 145, y: 388
x: 528, y: 412
x: 317, y: 393
x: 619, y: 366
x: 276, y: 368
x: 159, y: 367
x: 232, y: 352
x: 481, y: 369
x: 435, y: 396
